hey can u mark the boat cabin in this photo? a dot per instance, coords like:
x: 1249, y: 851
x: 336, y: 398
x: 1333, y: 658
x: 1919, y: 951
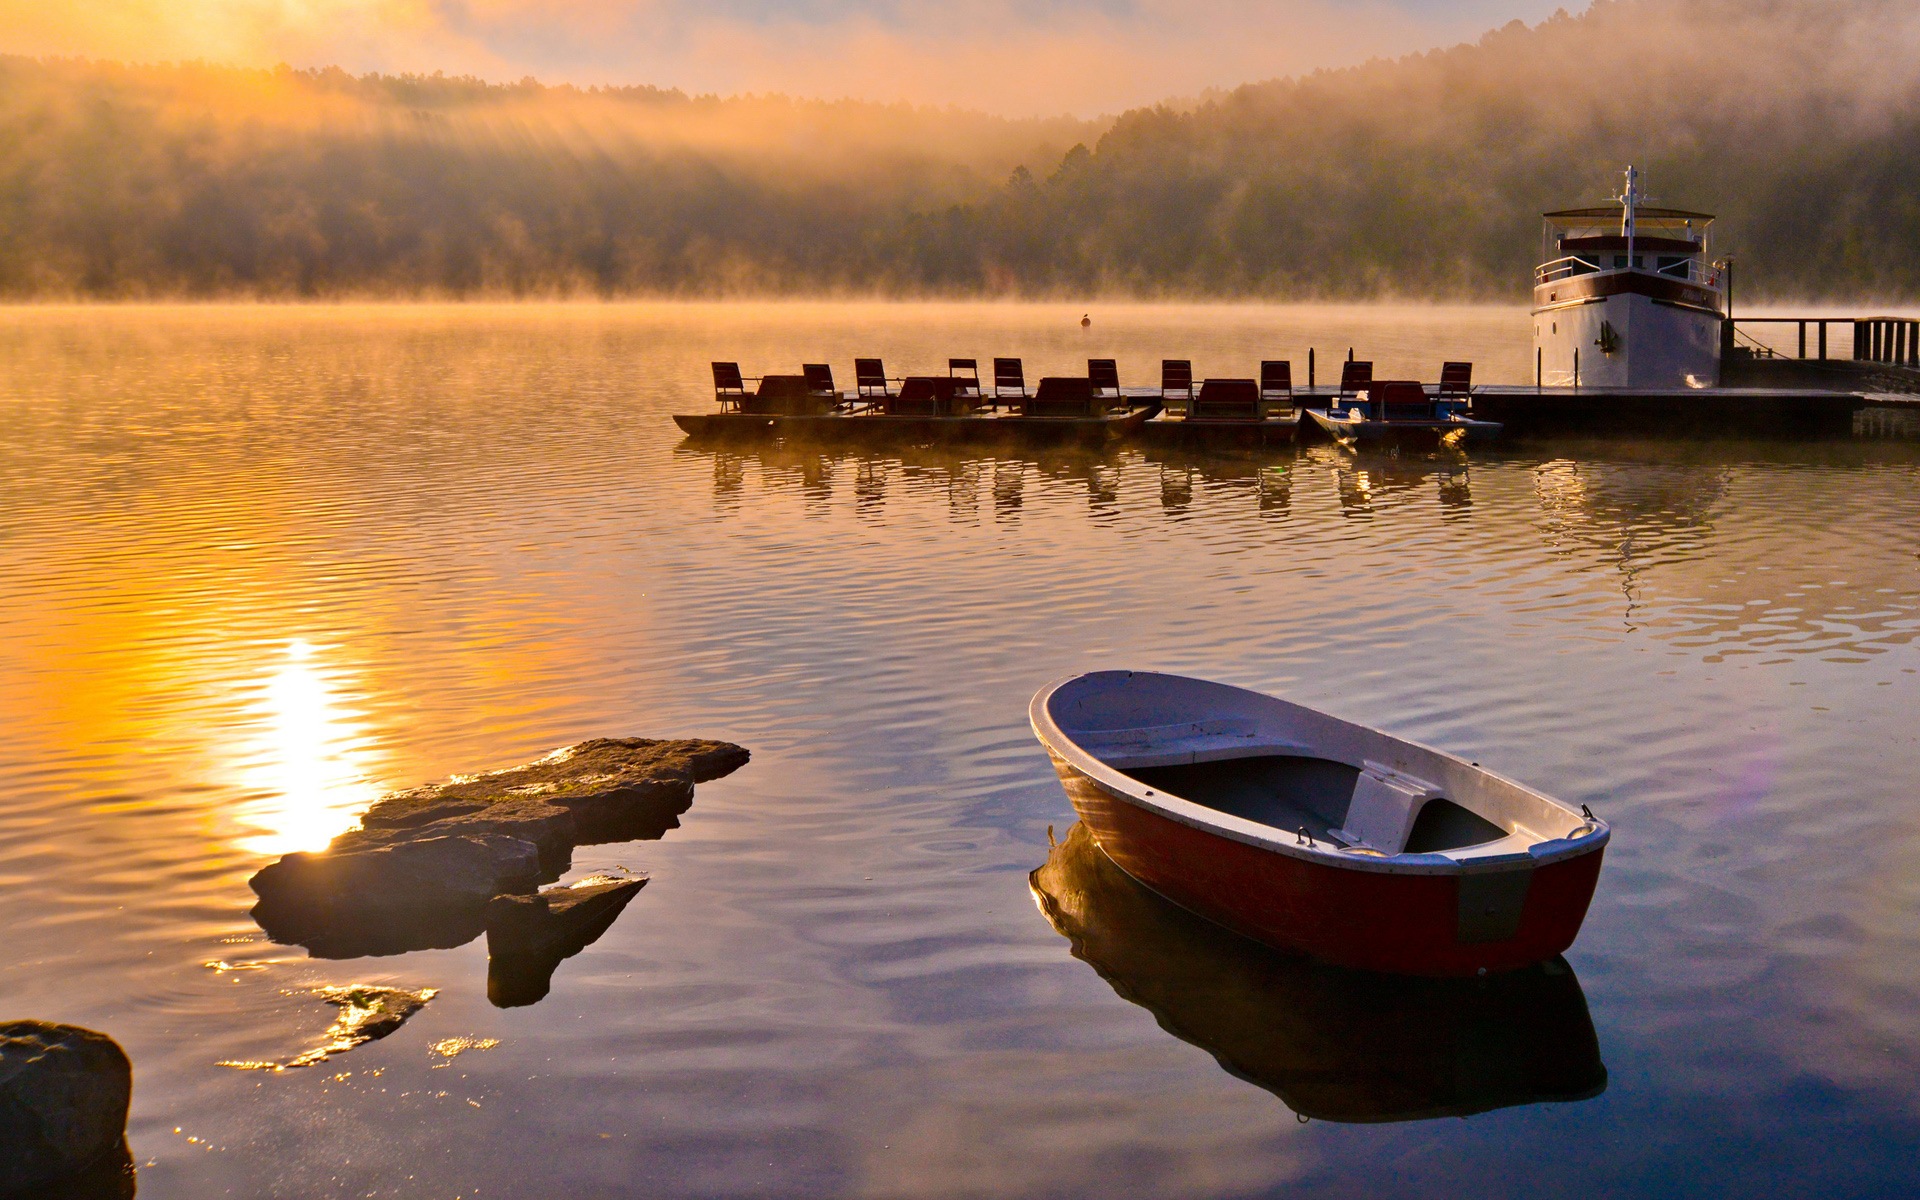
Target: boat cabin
x: 1628, y: 296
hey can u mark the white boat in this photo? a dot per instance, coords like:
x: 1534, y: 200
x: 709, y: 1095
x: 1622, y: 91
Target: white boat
x: 1318, y: 835
x: 1627, y: 297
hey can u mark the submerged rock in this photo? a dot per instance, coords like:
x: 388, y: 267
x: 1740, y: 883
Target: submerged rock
x: 529, y: 936
x: 64, y: 1093
x: 367, y: 1014
x: 419, y: 871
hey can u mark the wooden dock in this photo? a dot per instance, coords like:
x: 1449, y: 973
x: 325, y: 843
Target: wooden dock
x: 1747, y: 412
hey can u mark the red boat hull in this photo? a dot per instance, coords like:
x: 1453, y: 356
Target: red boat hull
x: 1369, y: 920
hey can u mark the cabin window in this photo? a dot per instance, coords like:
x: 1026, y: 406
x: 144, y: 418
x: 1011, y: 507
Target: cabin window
x: 1619, y: 261
x: 1672, y: 264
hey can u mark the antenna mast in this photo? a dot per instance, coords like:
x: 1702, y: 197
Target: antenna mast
x: 1629, y: 199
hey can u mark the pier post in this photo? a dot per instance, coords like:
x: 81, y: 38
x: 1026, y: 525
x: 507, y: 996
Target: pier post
x: 1539, y: 369
x: 1309, y: 370
x: 1823, y: 341
x: 1803, y: 339
x: 1727, y: 327
x: 1860, y: 347
x: 1576, y: 368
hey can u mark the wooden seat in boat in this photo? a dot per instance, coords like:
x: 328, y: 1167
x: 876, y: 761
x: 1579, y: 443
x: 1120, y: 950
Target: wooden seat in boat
x: 1400, y: 400
x: 729, y: 386
x: 1178, y: 745
x: 1456, y: 381
x: 1176, y: 384
x: 1355, y: 377
x: 1061, y: 396
x: 1276, y: 389
x: 819, y: 377
x: 1009, y: 380
x: 1105, y: 374
x: 965, y: 373
x: 1227, y: 400
x: 870, y: 380
x: 928, y: 396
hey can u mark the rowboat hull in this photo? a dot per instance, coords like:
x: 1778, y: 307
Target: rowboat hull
x: 1439, y: 914
x: 1407, y: 924
x: 868, y: 428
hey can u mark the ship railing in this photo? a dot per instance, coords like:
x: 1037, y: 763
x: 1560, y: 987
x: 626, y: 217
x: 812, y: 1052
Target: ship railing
x: 1692, y: 270
x: 1562, y: 268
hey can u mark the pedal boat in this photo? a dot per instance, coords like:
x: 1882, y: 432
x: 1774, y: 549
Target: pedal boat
x: 1317, y: 835
x: 1400, y: 412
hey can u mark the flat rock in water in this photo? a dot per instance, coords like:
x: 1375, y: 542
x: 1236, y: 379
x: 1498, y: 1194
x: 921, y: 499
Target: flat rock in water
x: 423, y: 864
x: 618, y: 789
x: 64, y: 1093
x: 529, y: 936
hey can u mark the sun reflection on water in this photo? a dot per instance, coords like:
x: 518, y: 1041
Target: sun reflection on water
x: 305, y: 768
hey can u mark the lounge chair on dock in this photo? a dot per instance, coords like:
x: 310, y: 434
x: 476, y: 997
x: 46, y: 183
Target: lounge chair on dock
x: 1226, y: 400
x: 729, y: 386
x: 1105, y: 375
x: 819, y: 377
x: 1276, y: 389
x: 870, y: 382
x: 1176, y: 384
x: 1009, y: 381
x: 965, y: 372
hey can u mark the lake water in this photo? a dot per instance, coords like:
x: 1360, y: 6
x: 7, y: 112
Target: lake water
x: 258, y: 566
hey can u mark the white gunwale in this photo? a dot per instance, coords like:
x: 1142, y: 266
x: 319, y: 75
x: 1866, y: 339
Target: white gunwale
x: 1536, y: 850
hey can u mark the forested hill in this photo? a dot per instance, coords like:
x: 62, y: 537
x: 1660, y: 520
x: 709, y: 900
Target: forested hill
x: 1798, y: 121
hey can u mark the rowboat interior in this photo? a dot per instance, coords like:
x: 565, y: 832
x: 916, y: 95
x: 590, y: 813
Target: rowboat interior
x: 1295, y: 774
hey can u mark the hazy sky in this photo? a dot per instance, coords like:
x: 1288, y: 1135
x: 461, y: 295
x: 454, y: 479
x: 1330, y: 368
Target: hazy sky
x: 1011, y: 56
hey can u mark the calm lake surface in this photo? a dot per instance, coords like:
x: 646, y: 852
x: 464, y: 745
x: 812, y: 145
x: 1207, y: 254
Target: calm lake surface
x: 258, y: 566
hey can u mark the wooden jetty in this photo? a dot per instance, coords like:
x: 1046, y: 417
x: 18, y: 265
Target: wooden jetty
x: 1670, y: 412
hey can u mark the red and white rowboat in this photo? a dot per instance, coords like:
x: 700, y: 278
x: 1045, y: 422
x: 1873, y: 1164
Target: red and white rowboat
x: 1317, y: 835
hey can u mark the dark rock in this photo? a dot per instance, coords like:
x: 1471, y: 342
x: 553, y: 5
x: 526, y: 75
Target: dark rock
x: 64, y: 1093
x: 391, y: 896
x: 618, y: 789
x: 529, y: 936
x: 419, y: 871
x: 406, y: 816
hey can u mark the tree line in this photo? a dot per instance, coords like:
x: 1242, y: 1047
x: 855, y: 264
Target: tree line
x: 1795, y: 120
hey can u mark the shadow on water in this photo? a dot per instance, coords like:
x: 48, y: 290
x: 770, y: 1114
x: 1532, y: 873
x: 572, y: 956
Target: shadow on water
x: 1333, y: 1044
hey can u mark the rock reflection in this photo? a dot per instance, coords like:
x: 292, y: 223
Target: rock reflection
x: 528, y: 937
x: 1333, y: 1044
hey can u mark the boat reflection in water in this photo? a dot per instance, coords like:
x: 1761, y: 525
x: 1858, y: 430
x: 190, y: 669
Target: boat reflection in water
x: 1334, y: 1044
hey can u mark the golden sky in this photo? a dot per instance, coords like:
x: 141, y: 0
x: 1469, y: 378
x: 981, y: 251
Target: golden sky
x: 1010, y: 56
